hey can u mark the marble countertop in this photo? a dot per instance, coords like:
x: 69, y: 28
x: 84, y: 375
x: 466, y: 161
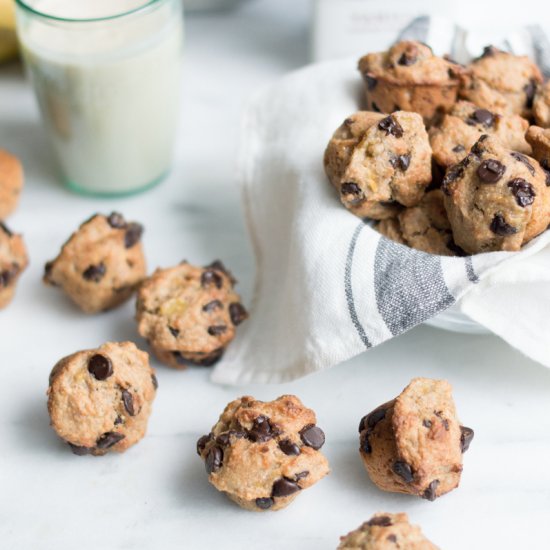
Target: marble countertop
x: 156, y: 495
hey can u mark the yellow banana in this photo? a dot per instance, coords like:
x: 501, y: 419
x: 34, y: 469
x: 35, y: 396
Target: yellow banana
x: 8, y: 39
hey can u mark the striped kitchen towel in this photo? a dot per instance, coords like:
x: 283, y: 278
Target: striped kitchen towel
x: 328, y: 286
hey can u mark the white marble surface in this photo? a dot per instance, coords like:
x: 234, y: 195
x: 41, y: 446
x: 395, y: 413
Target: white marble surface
x: 156, y: 495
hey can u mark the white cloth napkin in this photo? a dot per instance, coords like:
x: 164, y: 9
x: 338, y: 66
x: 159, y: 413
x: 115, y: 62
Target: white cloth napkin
x: 328, y: 286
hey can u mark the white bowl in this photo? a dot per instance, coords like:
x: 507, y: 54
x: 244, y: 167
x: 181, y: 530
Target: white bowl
x: 454, y: 320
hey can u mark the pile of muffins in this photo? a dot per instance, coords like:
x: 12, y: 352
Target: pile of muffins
x: 448, y: 159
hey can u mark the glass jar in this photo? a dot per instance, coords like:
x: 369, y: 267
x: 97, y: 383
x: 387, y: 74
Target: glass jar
x: 106, y: 74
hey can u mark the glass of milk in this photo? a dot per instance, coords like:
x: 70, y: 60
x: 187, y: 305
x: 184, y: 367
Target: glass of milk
x: 107, y: 78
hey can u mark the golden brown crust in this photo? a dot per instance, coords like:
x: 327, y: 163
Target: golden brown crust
x: 101, y: 264
x: 11, y: 183
x: 541, y: 105
x: 539, y: 139
x: 189, y: 314
x: 262, y: 454
x: 97, y: 413
x: 13, y: 261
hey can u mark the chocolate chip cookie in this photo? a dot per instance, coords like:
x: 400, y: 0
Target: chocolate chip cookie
x: 13, y: 261
x: 101, y: 264
x: 539, y: 139
x: 541, y: 105
x: 386, y: 532
x: 501, y: 82
x: 100, y: 400
x: 263, y: 454
x: 189, y: 314
x: 414, y: 443
x: 452, y: 139
x: 389, y: 167
x: 11, y: 183
x: 409, y: 77
x: 496, y: 199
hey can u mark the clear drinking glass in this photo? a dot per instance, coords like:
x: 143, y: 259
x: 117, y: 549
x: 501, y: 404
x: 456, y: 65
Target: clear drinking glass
x: 106, y: 74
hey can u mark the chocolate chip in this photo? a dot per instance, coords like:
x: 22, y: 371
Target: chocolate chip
x: 371, y: 419
x: 488, y: 51
x: 211, y: 277
x: 391, y: 126
x: 301, y: 475
x: 211, y: 306
x: 238, y: 313
x: 204, y: 360
x: 109, y: 439
x: 478, y: 149
x: 217, y: 330
x: 466, y: 436
x: 261, y: 430
x: 116, y: 220
x: 100, y: 366
x: 284, y: 487
x: 202, y: 441
x: 454, y: 173
x: 523, y: 159
x: 407, y: 59
x: 481, y: 116
x: 350, y: 188
x: 214, y: 460
x: 499, y: 226
x: 312, y: 436
x: 490, y: 171
x: 95, y: 273
x: 530, y: 89
x: 427, y: 423
x: 402, y: 469
x: 371, y: 81
x: 133, y: 234
x: 264, y: 503
x: 364, y: 443
x: 523, y: 191
x: 429, y: 493
x: 5, y: 229
x: 458, y: 148
x: 375, y: 107
x: 80, y: 451
x: 154, y: 381
x: 174, y: 331
x: 289, y: 448
x: 402, y: 162
x: 225, y: 438
x: 391, y: 538
x: 380, y: 521
x: 8, y: 275
x: 118, y: 420
x: 128, y: 401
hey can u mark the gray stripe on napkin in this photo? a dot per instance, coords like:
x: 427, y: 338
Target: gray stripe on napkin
x: 541, y: 46
x: 470, y: 271
x: 409, y: 286
x: 417, y: 29
x: 348, y: 288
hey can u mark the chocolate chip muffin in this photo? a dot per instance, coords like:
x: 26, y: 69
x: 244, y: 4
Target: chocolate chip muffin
x: 541, y: 105
x: 539, y: 139
x: 13, y: 261
x: 101, y: 264
x: 452, y: 139
x: 386, y: 532
x: 11, y: 183
x: 426, y: 227
x: 189, y: 314
x: 263, y: 454
x: 501, y: 82
x: 390, y: 167
x: 409, y: 77
x: 496, y: 199
x: 414, y: 443
x: 100, y: 400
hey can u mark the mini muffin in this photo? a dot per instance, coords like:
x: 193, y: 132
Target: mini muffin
x: 101, y: 264
x: 13, y: 261
x: 414, y: 443
x: 501, y: 82
x: 390, y: 167
x: 496, y: 199
x: 453, y: 138
x: 189, y: 314
x: 409, y: 77
x: 11, y: 183
x: 262, y: 455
